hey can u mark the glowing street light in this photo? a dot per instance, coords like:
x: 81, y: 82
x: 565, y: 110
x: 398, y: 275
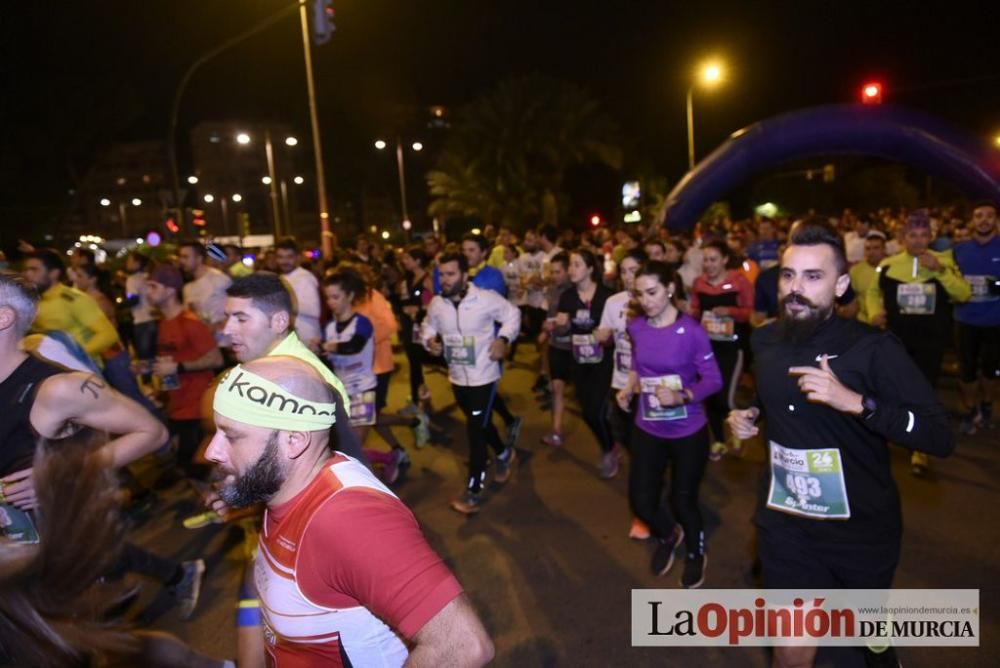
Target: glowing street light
x: 299, y: 180
x: 105, y: 201
x: 380, y: 144
x: 709, y: 75
x: 996, y: 141
x: 192, y: 179
x: 266, y: 180
x: 291, y: 141
x: 209, y: 198
x: 136, y: 201
x: 237, y: 197
x: 243, y: 138
x: 385, y: 234
x: 417, y: 146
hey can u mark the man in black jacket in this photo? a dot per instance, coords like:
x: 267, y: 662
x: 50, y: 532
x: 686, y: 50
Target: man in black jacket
x: 834, y: 393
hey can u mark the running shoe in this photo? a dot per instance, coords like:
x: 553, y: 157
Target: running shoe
x: 694, y: 571
x: 554, y: 439
x: 663, y: 555
x: 970, y: 423
x: 396, y: 468
x: 422, y: 432
x: 202, y: 520
x: 639, y: 530
x: 717, y: 450
x: 469, y: 503
x: 513, y: 431
x: 188, y: 590
x: 410, y: 410
x: 918, y: 464
x: 505, y: 463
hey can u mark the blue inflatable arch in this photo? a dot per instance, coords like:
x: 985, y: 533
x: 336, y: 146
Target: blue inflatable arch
x: 894, y: 133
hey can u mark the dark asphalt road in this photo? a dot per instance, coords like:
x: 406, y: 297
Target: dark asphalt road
x: 549, y: 566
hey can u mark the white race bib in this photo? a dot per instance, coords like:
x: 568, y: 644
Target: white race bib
x: 808, y: 483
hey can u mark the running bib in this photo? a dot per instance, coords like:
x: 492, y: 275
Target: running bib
x: 916, y: 298
x: 718, y: 327
x: 623, y: 353
x: 981, y: 288
x: 363, y: 409
x: 460, y: 350
x: 582, y: 318
x: 652, y: 410
x: 809, y: 483
x: 16, y: 524
x: 586, y: 349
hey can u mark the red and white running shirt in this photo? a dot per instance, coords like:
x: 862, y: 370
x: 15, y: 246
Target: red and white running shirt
x: 345, y: 575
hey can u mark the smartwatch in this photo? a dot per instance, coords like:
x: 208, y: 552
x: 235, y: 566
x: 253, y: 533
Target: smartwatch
x: 868, y: 407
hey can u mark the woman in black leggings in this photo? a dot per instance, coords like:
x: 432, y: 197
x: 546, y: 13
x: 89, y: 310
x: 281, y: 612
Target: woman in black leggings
x: 673, y: 371
x: 580, y: 310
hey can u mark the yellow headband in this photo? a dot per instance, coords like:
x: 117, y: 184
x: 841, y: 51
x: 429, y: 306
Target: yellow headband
x: 245, y: 397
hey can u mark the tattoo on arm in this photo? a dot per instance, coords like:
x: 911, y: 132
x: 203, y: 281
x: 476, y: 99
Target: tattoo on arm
x: 92, y: 385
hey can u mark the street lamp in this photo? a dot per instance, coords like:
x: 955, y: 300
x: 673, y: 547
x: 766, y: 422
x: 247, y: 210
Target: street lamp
x: 192, y: 179
x: 269, y: 180
x: 708, y: 75
x: 416, y: 146
x: 209, y: 198
x: 266, y: 180
x: 243, y: 139
x: 237, y: 198
x: 291, y: 141
x: 105, y: 201
x: 299, y: 180
x: 136, y: 201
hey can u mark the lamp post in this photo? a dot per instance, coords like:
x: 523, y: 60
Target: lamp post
x: 709, y: 74
x: 416, y: 146
x: 271, y: 180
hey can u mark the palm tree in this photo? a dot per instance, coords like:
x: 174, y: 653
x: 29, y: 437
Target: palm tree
x: 508, y: 152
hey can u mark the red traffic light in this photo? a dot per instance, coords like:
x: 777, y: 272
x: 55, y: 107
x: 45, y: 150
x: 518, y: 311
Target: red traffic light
x: 172, y: 226
x: 595, y: 220
x: 871, y: 93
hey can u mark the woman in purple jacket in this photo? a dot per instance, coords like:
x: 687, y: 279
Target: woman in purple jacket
x: 673, y: 371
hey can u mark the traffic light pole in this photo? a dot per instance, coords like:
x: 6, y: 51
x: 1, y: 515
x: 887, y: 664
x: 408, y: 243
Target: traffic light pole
x: 326, y: 236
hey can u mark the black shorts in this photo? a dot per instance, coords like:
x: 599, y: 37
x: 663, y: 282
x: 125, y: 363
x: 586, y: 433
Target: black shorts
x: 560, y: 364
x: 532, y: 319
x: 792, y: 560
x: 978, y: 352
x: 382, y: 390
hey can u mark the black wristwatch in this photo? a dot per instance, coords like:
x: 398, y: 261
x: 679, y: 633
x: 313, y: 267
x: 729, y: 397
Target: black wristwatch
x: 868, y: 407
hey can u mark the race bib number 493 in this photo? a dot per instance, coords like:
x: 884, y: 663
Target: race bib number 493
x: 809, y: 483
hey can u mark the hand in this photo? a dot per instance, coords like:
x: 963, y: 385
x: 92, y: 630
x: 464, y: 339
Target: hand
x: 602, y: 334
x: 18, y: 489
x: 215, y: 502
x: 667, y: 397
x: 878, y: 320
x: 562, y: 320
x: 435, y: 347
x: 930, y: 261
x: 498, y: 349
x: 823, y: 387
x: 741, y: 423
x: 411, y: 311
x: 624, y: 399
x: 314, y: 344
x: 164, y: 366
x: 330, y: 346
x: 548, y: 325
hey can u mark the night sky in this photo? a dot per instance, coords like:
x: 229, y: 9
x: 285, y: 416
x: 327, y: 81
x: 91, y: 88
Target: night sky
x: 77, y: 76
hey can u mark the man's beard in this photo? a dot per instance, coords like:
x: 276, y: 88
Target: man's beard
x: 260, y: 482
x: 793, y: 330
x: 451, y: 291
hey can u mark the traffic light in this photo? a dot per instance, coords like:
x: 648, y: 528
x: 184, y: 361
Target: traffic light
x: 170, y: 221
x: 871, y: 93
x: 323, y: 26
x: 197, y: 217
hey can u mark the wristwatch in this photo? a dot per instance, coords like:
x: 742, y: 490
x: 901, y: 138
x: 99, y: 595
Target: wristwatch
x: 868, y: 407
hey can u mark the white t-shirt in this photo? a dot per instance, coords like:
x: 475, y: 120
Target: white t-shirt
x: 305, y: 289
x: 615, y: 318
x: 854, y: 247
x: 206, y: 296
x: 531, y: 265
x: 135, y: 284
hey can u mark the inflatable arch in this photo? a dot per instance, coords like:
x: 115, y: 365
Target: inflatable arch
x: 898, y: 134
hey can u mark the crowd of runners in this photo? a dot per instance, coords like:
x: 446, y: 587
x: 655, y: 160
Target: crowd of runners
x: 257, y: 379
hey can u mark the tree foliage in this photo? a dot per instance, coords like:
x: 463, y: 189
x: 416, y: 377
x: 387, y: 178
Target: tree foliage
x: 507, y: 154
